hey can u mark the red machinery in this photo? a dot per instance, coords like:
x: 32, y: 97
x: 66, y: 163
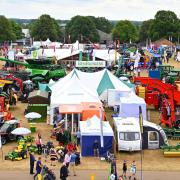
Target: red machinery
x: 2, y: 104
x: 11, y: 77
x: 161, y: 95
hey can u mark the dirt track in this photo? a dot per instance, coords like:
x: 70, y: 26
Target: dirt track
x: 98, y: 175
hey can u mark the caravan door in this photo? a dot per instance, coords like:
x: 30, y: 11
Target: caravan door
x: 153, y: 140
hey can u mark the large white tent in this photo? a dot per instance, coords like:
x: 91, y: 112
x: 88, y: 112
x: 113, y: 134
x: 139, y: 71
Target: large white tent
x: 106, y: 54
x: 73, y: 92
x: 70, y: 92
x: 101, y: 82
x: 61, y: 53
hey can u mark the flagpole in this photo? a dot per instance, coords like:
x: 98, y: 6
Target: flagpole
x: 101, y: 128
x: 141, y: 129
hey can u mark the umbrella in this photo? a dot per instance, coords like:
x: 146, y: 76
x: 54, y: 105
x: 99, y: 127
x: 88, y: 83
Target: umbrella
x: 21, y: 131
x: 32, y: 115
x: 12, y: 121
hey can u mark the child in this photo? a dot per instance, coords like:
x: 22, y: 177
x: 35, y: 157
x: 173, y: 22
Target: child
x: 124, y: 169
x: 133, y: 170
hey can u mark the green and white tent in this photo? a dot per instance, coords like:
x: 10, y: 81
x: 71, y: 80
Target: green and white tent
x: 101, y: 82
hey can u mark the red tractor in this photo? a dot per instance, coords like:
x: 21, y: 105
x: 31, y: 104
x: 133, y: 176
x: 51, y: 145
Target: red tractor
x: 164, y: 97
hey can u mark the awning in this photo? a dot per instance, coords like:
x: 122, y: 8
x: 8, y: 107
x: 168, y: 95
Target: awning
x: 70, y: 109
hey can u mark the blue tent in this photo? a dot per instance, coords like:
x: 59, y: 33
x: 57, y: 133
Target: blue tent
x: 91, y: 131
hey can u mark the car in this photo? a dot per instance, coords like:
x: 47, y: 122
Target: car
x: 6, y: 129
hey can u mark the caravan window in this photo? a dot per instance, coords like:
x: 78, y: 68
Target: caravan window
x: 121, y: 136
x: 129, y: 136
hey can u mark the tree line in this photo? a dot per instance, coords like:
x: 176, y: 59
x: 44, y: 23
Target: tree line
x: 165, y: 24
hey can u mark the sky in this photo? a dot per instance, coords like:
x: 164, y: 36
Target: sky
x: 139, y: 10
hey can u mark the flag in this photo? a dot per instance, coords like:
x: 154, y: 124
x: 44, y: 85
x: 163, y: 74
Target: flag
x: 140, y: 119
x: 101, y: 126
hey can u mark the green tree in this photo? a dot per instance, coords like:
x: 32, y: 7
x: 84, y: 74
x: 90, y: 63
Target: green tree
x: 16, y: 28
x: 145, y: 30
x: 45, y: 27
x: 125, y: 31
x: 6, y: 32
x: 81, y: 26
x: 102, y: 24
x: 166, y: 23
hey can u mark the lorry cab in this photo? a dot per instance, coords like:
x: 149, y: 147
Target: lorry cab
x: 128, y: 134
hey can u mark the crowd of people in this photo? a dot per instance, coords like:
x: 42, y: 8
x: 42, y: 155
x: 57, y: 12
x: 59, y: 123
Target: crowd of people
x: 65, y: 152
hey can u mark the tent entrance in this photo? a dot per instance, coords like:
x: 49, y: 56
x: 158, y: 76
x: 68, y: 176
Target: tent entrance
x: 153, y: 140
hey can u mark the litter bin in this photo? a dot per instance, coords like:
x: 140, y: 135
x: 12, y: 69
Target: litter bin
x: 33, y: 127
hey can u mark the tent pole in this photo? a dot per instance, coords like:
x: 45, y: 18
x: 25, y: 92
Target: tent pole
x: 78, y: 121
x: 66, y: 122
x: 72, y: 123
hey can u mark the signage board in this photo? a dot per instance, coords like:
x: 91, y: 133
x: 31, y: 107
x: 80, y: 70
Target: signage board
x: 90, y: 63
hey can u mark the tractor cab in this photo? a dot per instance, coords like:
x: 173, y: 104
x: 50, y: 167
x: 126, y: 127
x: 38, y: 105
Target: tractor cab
x: 6, y: 129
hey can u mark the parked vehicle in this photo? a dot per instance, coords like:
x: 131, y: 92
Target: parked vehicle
x: 6, y: 129
x: 128, y: 135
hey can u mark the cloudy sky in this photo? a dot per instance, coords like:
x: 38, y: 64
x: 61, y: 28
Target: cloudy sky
x: 65, y: 9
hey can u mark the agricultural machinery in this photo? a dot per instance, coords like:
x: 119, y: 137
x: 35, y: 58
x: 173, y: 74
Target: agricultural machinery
x: 40, y: 67
x: 162, y: 96
x: 6, y: 129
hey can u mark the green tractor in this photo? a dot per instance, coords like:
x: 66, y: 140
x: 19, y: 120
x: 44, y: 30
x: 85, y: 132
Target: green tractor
x: 44, y: 68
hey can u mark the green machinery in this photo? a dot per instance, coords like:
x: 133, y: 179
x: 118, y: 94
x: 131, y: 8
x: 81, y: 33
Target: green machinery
x: 172, y: 133
x: 173, y: 76
x: 44, y: 68
x: 169, y: 73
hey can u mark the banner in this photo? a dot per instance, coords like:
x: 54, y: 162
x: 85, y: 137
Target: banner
x: 140, y: 119
x: 90, y: 63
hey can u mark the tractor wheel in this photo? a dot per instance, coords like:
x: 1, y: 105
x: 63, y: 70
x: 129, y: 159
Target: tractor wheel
x: 3, y: 140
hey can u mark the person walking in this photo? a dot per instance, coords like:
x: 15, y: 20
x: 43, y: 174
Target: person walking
x: 38, y: 167
x: 124, y: 169
x: 72, y: 163
x: 78, y: 137
x: 67, y: 158
x: 32, y: 160
x: 133, y: 170
x: 63, y: 172
x: 39, y: 143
